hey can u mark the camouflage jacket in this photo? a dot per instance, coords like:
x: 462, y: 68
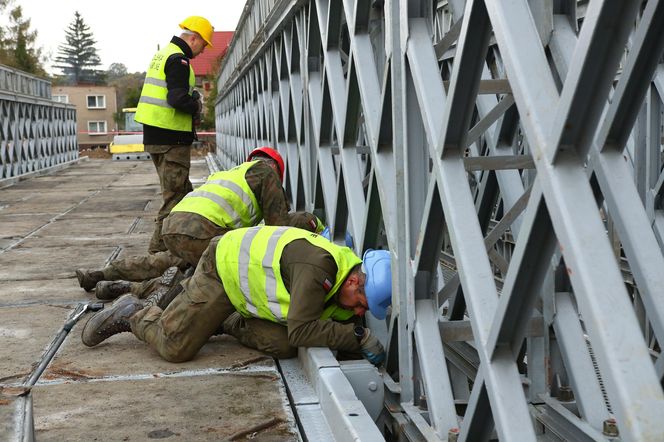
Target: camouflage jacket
x: 270, y: 195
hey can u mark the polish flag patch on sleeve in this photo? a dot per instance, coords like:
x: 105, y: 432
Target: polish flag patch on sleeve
x: 327, y: 285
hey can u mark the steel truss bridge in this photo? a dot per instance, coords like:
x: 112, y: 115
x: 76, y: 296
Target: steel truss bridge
x: 36, y: 133
x: 509, y: 155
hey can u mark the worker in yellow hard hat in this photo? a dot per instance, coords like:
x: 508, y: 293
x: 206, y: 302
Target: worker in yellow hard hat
x: 169, y: 109
x: 200, y: 26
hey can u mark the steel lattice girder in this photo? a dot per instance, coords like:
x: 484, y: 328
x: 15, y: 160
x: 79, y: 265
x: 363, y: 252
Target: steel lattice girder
x: 517, y: 142
x: 35, y: 132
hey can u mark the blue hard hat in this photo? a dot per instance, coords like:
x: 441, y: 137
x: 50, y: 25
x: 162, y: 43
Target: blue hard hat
x: 326, y: 234
x: 377, y: 266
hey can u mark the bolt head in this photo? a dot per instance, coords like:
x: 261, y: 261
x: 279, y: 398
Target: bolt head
x: 610, y: 428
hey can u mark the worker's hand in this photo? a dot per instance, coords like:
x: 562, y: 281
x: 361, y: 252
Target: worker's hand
x: 318, y: 226
x: 199, y: 103
x: 372, y: 349
x: 349, y: 240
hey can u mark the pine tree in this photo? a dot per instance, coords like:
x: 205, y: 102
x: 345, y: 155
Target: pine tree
x: 78, y: 58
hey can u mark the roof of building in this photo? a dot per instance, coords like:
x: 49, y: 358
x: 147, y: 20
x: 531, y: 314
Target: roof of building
x: 203, y: 64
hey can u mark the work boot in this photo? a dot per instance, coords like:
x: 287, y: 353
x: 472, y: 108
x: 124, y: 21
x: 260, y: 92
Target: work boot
x: 107, y: 290
x: 111, y: 321
x: 87, y: 279
x: 169, y: 289
x: 163, y: 296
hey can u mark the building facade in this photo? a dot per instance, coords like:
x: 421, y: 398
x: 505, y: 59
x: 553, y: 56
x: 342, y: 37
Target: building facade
x: 95, y: 108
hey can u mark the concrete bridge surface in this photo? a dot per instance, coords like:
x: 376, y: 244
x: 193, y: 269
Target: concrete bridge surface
x: 84, y: 216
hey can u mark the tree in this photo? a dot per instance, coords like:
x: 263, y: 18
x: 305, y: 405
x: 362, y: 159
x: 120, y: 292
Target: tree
x: 127, y: 86
x: 208, y: 121
x: 78, y: 58
x: 133, y: 95
x: 4, y: 52
x: 116, y: 71
x: 17, y: 43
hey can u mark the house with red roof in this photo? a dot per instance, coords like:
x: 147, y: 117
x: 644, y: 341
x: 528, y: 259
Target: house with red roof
x: 206, y: 65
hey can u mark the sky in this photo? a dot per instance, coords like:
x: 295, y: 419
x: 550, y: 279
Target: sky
x: 126, y: 31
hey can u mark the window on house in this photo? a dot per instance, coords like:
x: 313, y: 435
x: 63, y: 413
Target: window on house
x: 97, y: 127
x: 61, y: 98
x: 96, y: 102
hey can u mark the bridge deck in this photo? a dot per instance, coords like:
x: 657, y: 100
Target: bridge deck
x: 84, y: 216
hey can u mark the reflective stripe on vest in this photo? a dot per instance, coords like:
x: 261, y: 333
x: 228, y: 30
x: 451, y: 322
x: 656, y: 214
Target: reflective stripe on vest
x: 225, y: 199
x: 248, y: 263
x: 153, y: 108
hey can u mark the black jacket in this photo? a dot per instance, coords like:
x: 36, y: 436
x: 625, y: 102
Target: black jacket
x: 177, y: 82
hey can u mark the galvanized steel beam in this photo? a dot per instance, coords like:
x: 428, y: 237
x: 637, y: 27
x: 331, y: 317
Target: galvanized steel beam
x: 35, y: 132
x: 516, y: 145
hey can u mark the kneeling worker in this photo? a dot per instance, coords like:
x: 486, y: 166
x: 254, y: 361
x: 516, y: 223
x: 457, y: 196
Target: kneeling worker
x: 298, y: 282
x: 240, y: 197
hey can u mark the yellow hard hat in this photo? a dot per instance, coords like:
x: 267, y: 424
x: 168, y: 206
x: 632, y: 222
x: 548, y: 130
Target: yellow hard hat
x: 201, y: 26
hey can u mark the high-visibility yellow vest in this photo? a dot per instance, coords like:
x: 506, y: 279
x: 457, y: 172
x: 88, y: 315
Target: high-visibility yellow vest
x: 248, y: 265
x: 153, y: 109
x: 225, y: 199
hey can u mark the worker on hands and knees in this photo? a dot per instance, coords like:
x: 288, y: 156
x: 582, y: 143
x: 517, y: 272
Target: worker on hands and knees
x: 240, y: 197
x: 273, y: 288
x: 168, y: 108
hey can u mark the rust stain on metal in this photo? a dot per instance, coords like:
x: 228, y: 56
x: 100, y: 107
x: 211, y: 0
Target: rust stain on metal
x: 249, y: 361
x: 59, y: 371
x: 256, y: 428
x: 64, y: 373
x: 14, y: 391
x: 64, y: 370
x: 270, y: 378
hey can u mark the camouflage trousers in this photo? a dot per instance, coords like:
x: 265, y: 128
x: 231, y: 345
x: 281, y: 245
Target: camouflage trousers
x: 178, y: 332
x: 172, y: 164
x: 141, y: 268
x: 183, y: 251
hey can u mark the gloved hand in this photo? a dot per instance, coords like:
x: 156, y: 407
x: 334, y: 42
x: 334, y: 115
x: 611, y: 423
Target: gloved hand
x: 349, y: 240
x: 197, y: 115
x: 319, y: 227
x: 372, y: 349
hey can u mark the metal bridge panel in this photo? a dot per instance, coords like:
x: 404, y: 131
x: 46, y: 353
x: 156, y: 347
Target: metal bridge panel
x: 479, y: 135
x: 35, y: 132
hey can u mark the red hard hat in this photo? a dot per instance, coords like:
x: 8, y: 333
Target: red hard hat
x: 272, y: 153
